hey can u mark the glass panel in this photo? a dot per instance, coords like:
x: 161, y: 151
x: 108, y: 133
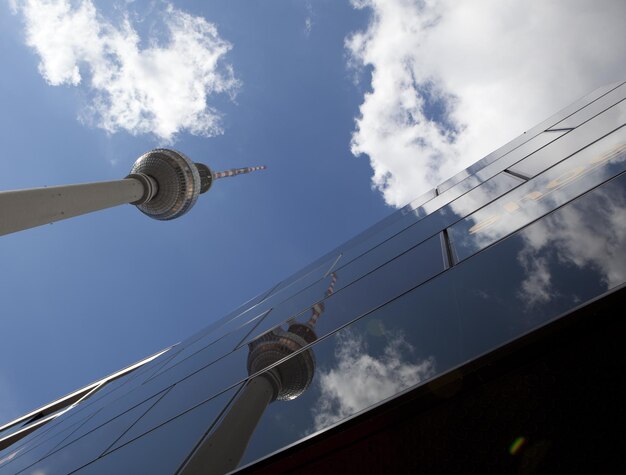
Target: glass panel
x: 120, y: 402
x: 561, y: 261
x: 290, y: 288
x: 61, y: 423
x: 429, y: 226
x: 577, y: 139
x: 16, y: 459
x: 240, y: 324
x: 154, y: 366
x: 219, y: 375
x: 593, y: 109
x: 392, y: 279
x: 104, y: 397
x: 35, y: 420
x: 407, y: 219
x: 564, y: 260
x: 392, y: 349
x: 95, y: 400
x: 78, y: 453
x: 108, y: 414
x: 558, y: 185
x: 236, y: 314
x: 381, y: 226
x: 212, y: 350
x: 50, y: 417
x: 88, y: 447
x: 510, y: 147
x: 4, y: 435
x: 298, y: 303
x: 162, y: 450
x: 456, y: 191
x: 416, y: 203
x: 546, y: 124
x: 418, y: 229
x: 492, y: 157
x: 407, y: 216
x: 297, y: 282
x: 183, y: 397
x: 542, y: 140
x: 489, y: 170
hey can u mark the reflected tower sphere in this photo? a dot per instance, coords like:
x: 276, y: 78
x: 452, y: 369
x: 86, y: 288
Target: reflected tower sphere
x: 281, y: 366
x: 293, y: 376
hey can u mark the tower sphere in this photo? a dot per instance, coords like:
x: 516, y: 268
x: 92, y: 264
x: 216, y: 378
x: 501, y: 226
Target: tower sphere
x: 178, y: 182
x: 291, y: 377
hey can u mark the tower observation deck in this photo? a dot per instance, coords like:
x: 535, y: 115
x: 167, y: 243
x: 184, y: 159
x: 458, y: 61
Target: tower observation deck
x: 164, y: 184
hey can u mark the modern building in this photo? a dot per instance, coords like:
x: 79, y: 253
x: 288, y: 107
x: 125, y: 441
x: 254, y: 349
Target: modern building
x: 477, y: 329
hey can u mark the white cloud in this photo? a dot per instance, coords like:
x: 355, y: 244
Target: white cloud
x: 452, y: 81
x: 160, y: 89
x: 308, y: 21
x: 360, y: 379
x: 591, y: 235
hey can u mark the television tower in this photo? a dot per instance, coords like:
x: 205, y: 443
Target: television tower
x: 164, y: 184
x: 224, y: 447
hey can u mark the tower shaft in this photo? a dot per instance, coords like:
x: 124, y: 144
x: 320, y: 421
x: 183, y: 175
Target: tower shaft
x: 24, y: 209
x: 164, y: 184
x: 222, y: 450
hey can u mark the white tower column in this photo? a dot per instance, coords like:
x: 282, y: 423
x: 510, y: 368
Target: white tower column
x: 222, y: 450
x: 163, y: 184
x: 23, y: 209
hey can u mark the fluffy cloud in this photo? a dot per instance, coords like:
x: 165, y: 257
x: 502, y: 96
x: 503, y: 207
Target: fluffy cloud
x: 588, y: 235
x: 451, y: 81
x: 160, y: 89
x: 360, y: 379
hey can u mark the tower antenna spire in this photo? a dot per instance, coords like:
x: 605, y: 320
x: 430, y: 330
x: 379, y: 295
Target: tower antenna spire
x: 164, y: 184
x: 237, y: 171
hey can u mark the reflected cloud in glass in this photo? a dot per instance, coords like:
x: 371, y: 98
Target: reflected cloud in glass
x: 361, y: 378
x: 590, y: 235
x: 553, y: 188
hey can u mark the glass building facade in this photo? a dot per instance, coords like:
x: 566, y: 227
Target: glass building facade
x: 521, y: 240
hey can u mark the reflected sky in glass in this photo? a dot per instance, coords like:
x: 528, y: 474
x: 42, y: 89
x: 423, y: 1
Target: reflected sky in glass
x: 523, y: 282
x: 570, y: 178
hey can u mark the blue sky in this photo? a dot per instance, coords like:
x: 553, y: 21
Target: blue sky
x: 355, y: 107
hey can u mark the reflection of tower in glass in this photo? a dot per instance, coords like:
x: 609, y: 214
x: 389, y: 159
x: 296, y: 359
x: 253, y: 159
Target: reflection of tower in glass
x: 163, y: 184
x: 224, y: 448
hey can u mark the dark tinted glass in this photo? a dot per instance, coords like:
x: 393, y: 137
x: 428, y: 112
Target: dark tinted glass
x: 534, y: 276
x: 489, y: 168
x: 110, y: 413
x: 298, y: 282
x: 79, y: 452
x: 416, y: 203
x: 18, y: 458
x: 546, y: 124
x: 164, y: 449
x: 392, y: 279
x: 429, y: 226
x: 515, y: 149
x: 210, y: 348
x: 219, y: 374
x: 600, y: 126
x: 183, y: 397
x: 532, y: 146
x: 593, y: 109
x: 556, y: 186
